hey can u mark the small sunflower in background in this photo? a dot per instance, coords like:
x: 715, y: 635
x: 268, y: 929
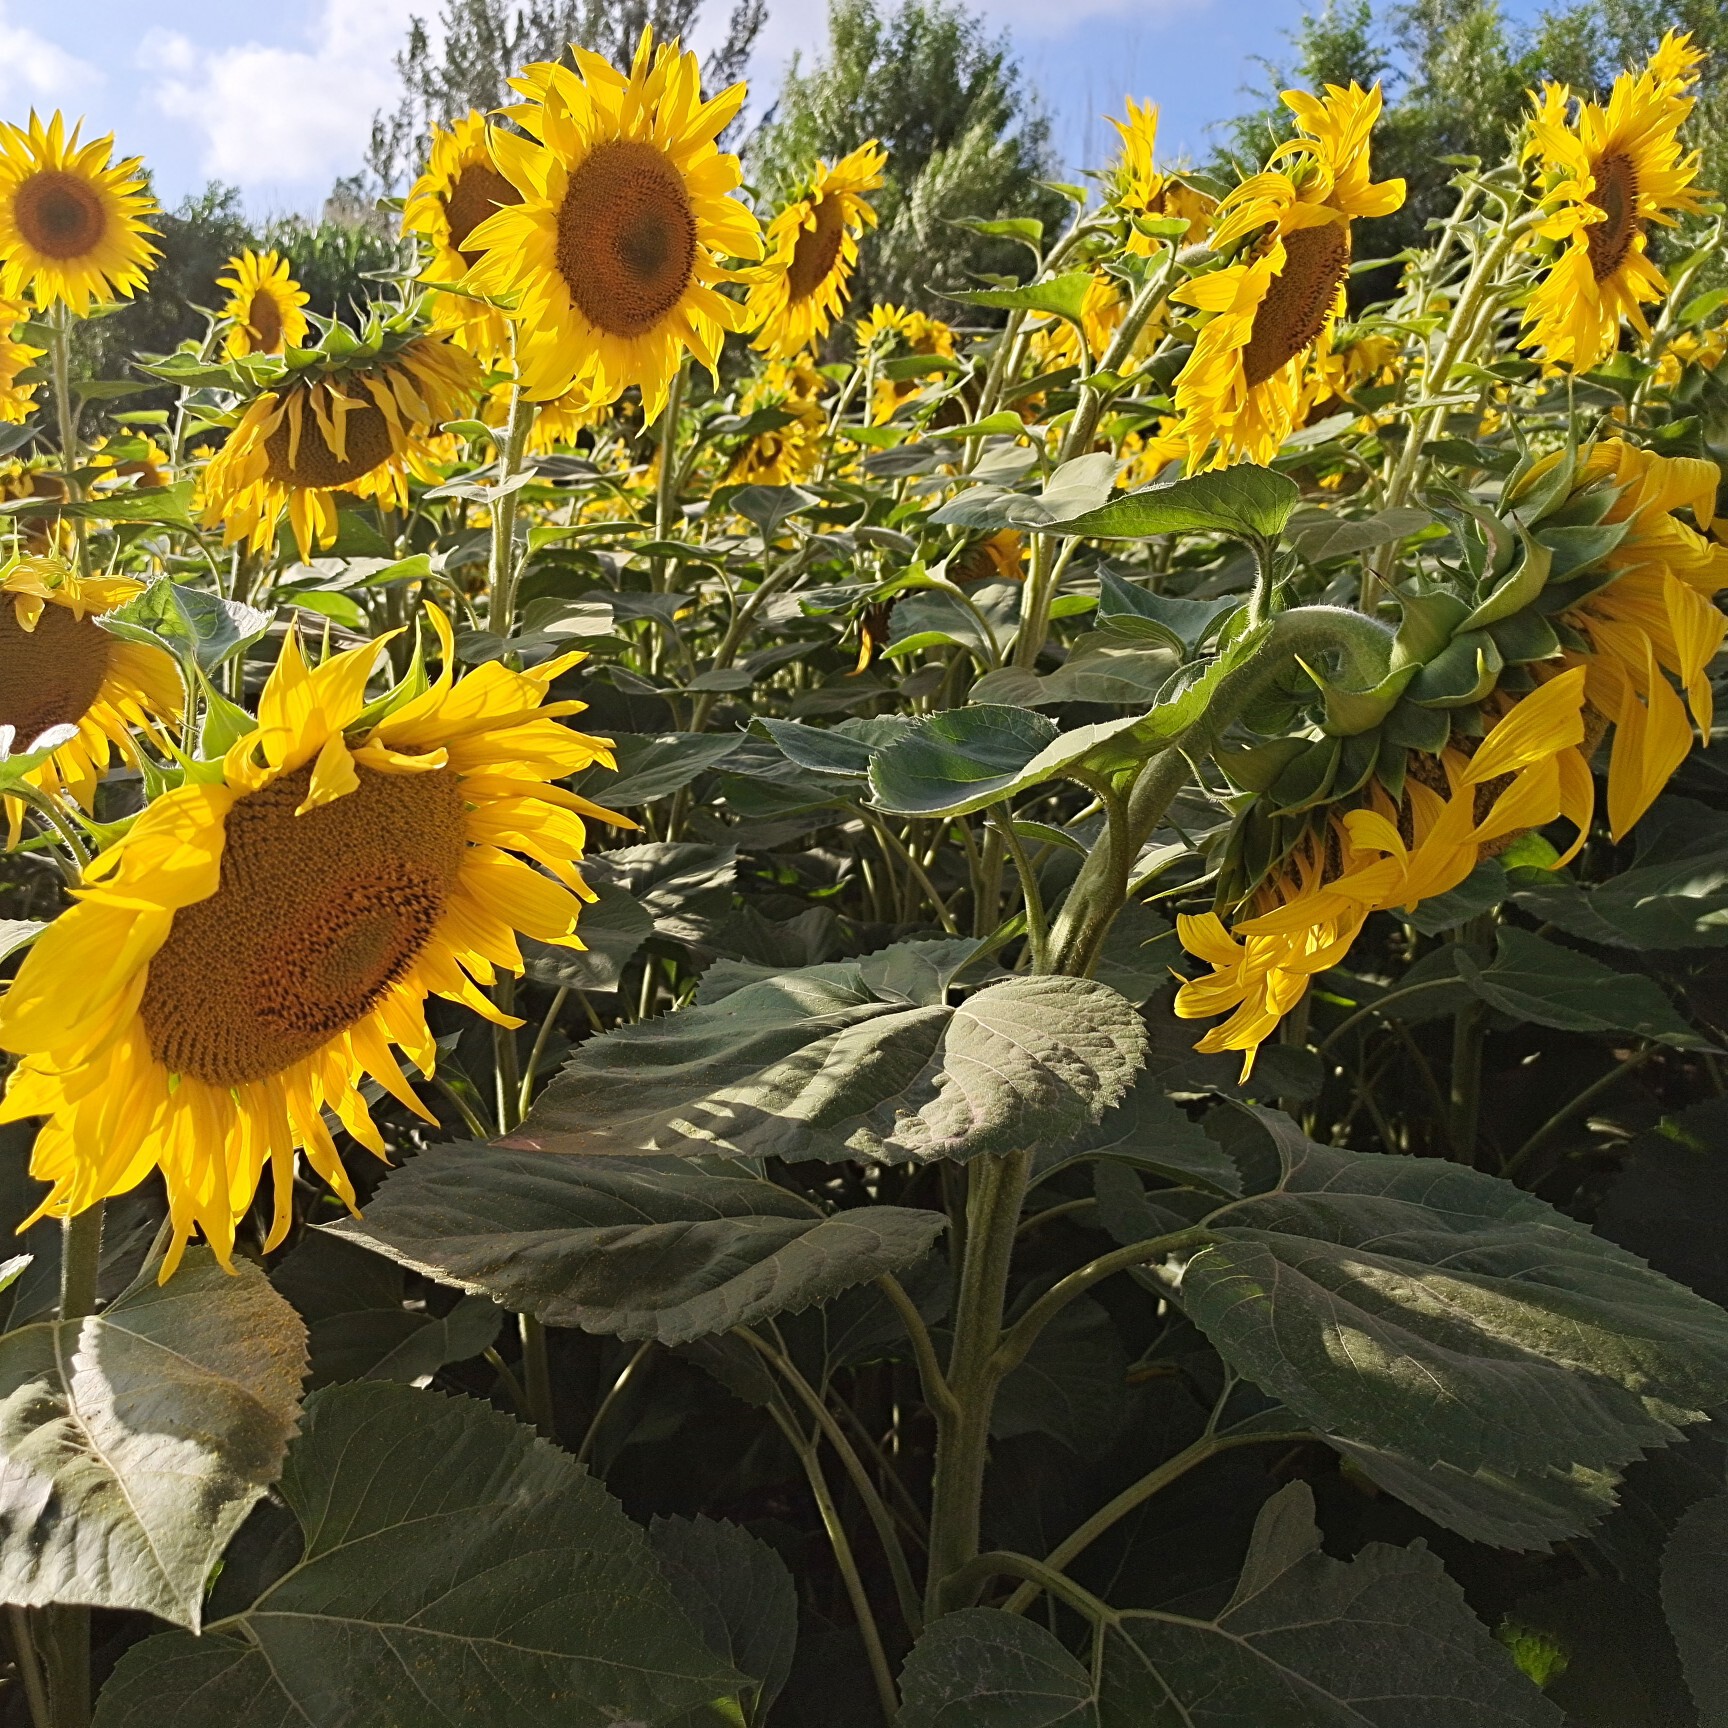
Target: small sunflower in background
x: 264, y: 305
x: 243, y: 959
x: 1239, y: 392
x: 612, y: 258
x: 17, y: 401
x: 60, y: 668
x: 72, y: 226
x: 458, y: 190
x: 790, y: 451
x: 1140, y: 191
x: 812, y: 252
x: 358, y: 418
x: 886, y: 328
x: 1606, y: 178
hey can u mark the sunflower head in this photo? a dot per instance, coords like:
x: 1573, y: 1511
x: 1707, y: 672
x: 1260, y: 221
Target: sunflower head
x: 356, y: 416
x: 1142, y: 193
x: 243, y: 959
x: 264, y: 309
x: 789, y: 447
x: 613, y: 255
x: 460, y: 187
x: 812, y: 252
x: 62, y: 674
x: 72, y: 225
x: 898, y: 331
x: 1605, y: 176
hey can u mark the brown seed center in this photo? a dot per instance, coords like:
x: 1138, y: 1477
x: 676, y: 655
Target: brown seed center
x: 1298, y: 300
x: 264, y: 321
x: 314, y: 464
x: 626, y: 238
x: 49, y: 676
x: 479, y: 192
x: 1617, y: 195
x: 60, y: 215
x: 813, y: 257
x: 313, y: 920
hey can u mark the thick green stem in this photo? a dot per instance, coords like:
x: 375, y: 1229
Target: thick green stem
x: 536, y: 1375
x: 997, y: 1188
x: 66, y: 413
x: 666, y: 484
x: 504, y: 571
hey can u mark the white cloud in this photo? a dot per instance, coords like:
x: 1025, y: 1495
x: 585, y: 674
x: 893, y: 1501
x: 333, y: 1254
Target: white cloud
x: 35, y: 72
x: 275, y: 118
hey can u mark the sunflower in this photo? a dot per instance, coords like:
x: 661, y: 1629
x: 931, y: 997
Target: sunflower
x: 1606, y: 178
x: 356, y: 419
x: 812, y: 252
x: 1057, y: 343
x: 1142, y: 193
x: 16, y: 400
x: 264, y: 307
x: 244, y: 957
x: 887, y: 326
x: 612, y: 257
x: 459, y: 189
x: 1239, y: 392
x: 71, y: 227
x: 1647, y: 612
x: 59, y: 668
x: 786, y: 453
x: 998, y: 557
x: 1389, y: 852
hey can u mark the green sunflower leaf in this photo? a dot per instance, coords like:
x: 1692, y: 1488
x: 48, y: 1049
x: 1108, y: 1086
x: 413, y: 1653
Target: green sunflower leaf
x: 449, y: 1555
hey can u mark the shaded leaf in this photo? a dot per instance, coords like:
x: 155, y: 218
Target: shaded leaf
x: 639, y: 1248
x: 653, y: 766
x: 1073, y: 1384
x: 197, y: 627
x: 133, y: 1442
x: 1694, y: 1566
x: 984, y: 1669
x: 451, y: 1559
x: 614, y: 927
x: 1077, y: 487
x: 815, y: 1064
x: 1245, y: 500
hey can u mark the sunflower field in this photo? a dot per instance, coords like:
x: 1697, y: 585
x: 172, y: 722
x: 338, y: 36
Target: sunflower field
x: 722, y: 1007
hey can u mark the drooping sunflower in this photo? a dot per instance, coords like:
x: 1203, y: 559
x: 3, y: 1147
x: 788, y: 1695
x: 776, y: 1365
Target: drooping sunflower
x: 16, y: 400
x: 1142, y: 192
x: 812, y: 252
x: 355, y: 418
x: 72, y: 226
x: 264, y: 306
x: 1383, y: 853
x: 59, y: 668
x: 1605, y: 179
x: 613, y: 256
x: 1238, y: 395
x: 1645, y: 611
x: 458, y: 190
x: 244, y: 957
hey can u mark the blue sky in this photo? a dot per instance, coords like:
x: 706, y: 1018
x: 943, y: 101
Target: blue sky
x: 278, y: 98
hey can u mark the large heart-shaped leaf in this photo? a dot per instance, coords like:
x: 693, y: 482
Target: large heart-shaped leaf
x: 984, y: 1669
x: 1384, y: 1641
x: 821, y: 1063
x: 1077, y: 487
x: 640, y: 1248
x: 1693, y: 1567
x: 451, y: 1562
x: 1533, y: 979
x: 1245, y: 500
x: 1444, y: 1315
x: 200, y: 628
x: 133, y: 1442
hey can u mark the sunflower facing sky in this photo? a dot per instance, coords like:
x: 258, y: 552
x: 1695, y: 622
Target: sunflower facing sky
x: 613, y: 257
x: 358, y: 420
x: 1238, y: 395
x: 264, y: 305
x: 59, y: 667
x: 1389, y: 853
x: 1140, y: 191
x: 812, y: 252
x: 72, y: 227
x: 458, y: 190
x: 1606, y: 177
x: 245, y: 956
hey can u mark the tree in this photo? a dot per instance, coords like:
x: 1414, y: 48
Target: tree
x: 483, y: 43
x: 965, y: 138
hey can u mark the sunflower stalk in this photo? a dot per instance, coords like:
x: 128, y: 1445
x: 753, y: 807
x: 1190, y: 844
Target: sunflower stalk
x: 66, y: 414
x: 504, y: 570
